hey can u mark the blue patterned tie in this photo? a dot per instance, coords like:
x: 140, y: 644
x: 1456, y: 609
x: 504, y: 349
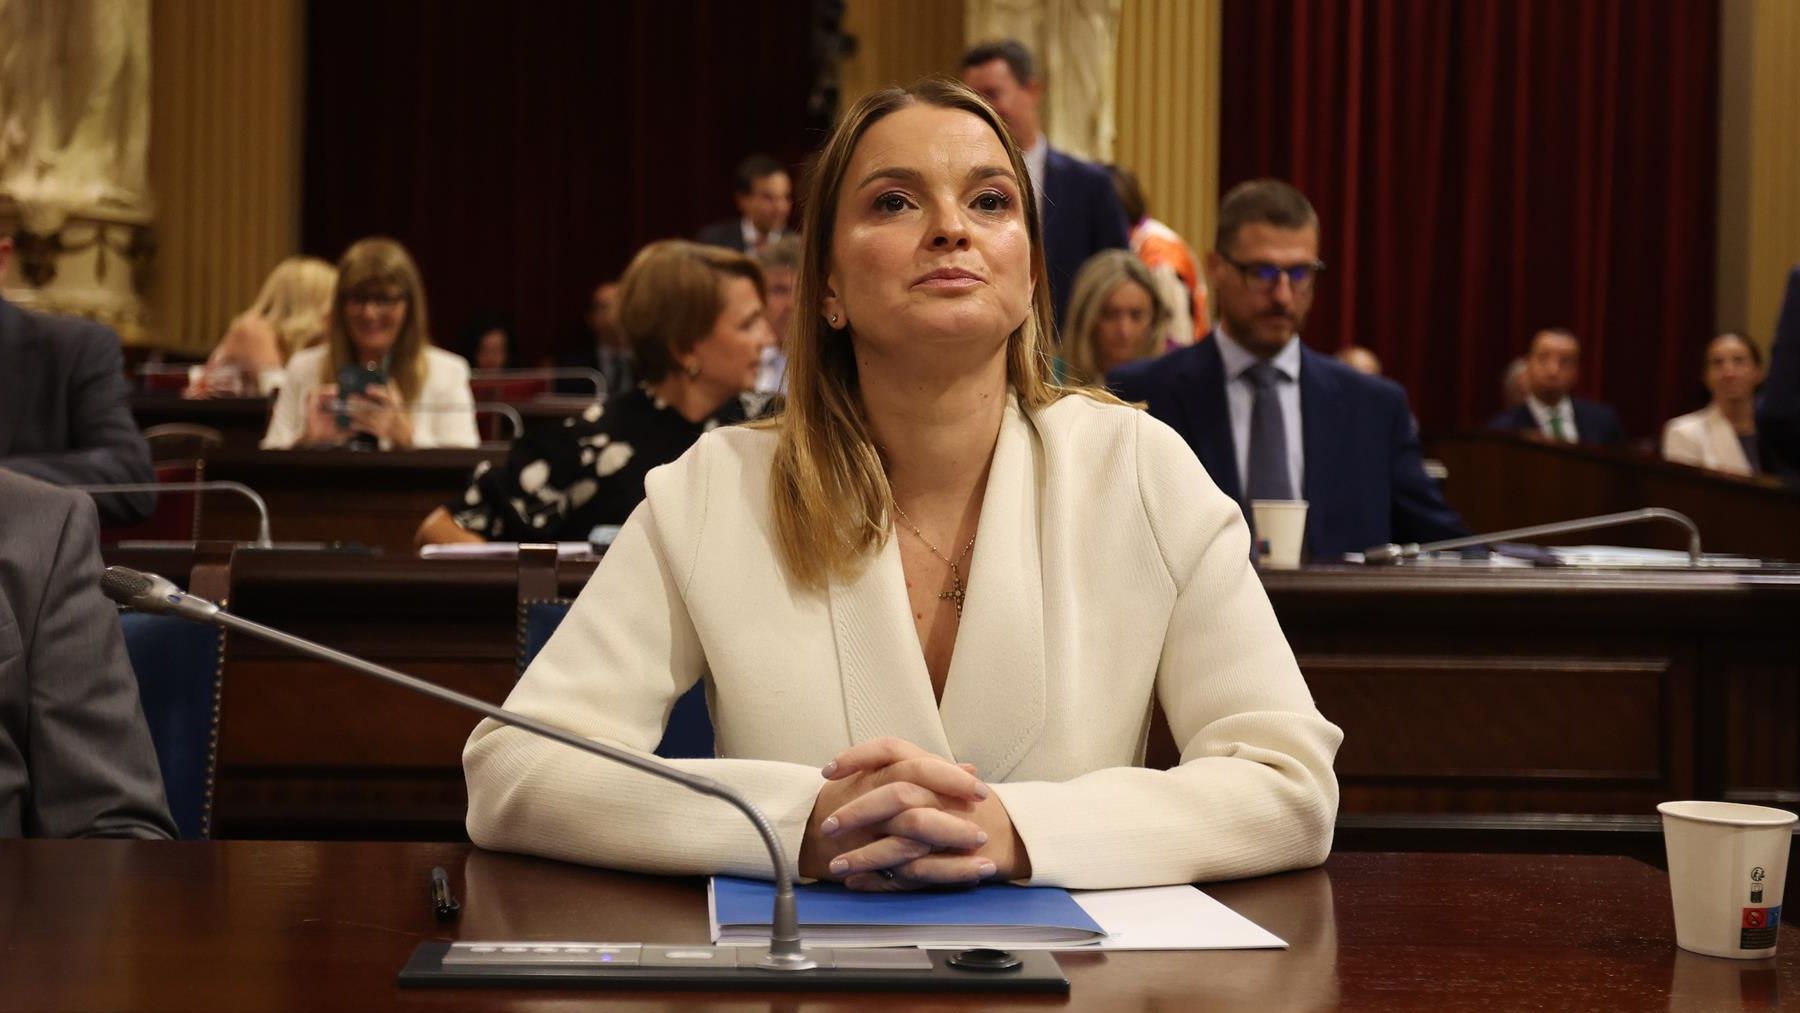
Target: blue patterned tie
x: 1269, y: 477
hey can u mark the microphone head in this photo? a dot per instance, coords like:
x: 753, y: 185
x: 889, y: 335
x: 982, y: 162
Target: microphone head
x: 124, y: 585
x: 153, y: 594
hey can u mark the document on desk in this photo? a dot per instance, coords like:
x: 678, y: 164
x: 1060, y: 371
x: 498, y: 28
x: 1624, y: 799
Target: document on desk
x: 495, y: 550
x: 1025, y: 918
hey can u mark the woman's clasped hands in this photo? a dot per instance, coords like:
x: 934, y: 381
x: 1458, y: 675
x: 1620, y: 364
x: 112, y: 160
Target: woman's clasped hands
x: 892, y: 816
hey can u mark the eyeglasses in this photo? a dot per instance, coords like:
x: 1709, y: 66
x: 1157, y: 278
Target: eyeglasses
x: 377, y: 300
x: 1261, y: 276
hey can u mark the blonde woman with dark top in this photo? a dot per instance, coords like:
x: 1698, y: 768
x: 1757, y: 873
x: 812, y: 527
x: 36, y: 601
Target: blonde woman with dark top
x: 290, y: 313
x: 934, y: 600
x: 1115, y: 317
x: 403, y: 392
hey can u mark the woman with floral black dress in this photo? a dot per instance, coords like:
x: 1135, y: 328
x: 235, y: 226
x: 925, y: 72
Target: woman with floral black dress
x: 694, y: 315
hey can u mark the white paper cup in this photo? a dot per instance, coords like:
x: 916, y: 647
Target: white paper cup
x: 1727, y: 868
x: 1280, y: 530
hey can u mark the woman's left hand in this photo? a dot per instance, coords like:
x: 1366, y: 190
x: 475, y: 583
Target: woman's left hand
x: 896, y: 859
x: 376, y: 411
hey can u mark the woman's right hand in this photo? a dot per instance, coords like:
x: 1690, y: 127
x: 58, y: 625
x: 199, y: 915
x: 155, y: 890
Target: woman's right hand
x: 322, y: 427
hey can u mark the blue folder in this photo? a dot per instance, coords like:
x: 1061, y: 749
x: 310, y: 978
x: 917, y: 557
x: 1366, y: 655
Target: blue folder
x: 997, y: 915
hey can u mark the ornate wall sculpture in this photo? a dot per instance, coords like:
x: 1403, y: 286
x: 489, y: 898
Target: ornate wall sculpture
x: 74, y: 139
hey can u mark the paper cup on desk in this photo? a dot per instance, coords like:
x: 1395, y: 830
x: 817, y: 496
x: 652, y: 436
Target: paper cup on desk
x: 1280, y: 530
x: 1727, y: 868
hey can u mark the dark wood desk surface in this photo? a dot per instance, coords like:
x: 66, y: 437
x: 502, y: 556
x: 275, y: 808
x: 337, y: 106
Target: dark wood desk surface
x: 246, y: 926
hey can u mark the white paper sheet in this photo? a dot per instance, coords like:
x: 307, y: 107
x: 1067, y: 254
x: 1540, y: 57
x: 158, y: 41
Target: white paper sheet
x: 1167, y: 918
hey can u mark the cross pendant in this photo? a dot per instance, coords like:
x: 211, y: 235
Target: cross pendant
x: 955, y: 593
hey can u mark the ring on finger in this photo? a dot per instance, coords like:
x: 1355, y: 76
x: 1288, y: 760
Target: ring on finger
x: 887, y: 874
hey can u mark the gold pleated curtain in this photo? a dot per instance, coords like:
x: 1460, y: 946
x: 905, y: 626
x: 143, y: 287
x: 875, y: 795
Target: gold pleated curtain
x: 1759, y: 162
x: 225, y: 142
x: 1168, y: 115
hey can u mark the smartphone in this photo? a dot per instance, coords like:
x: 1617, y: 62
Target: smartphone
x: 354, y: 379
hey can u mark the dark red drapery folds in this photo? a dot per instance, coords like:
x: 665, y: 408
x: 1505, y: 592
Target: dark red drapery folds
x: 524, y: 151
x: 1485, y: 168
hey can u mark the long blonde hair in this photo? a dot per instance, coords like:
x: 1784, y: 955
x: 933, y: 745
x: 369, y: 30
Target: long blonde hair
x: 382, y: 263
x: 1094, y: 283
x: 830, y: 494
x: 295, y: 301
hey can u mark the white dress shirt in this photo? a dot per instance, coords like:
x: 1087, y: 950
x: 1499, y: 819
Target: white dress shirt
x: 1109, y: 572
x: 754, y: 239
x: 1035, y: 158
x: 1240, y: 397
x: 1543, y: 413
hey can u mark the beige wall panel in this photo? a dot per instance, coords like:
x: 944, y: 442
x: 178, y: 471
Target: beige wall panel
x: 899, y: 41
x: 224, y: 158
x: 1759, y: 161
x: 1168, y: 109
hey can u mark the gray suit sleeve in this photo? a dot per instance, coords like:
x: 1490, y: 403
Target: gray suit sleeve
x: 106, y: 446
x: 93, y: 768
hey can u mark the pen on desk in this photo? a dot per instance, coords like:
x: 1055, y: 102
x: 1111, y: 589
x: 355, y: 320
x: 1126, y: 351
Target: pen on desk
x: 443, y: 904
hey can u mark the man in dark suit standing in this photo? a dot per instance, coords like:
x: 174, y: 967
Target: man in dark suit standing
x: 75, y: 755
x: 1081, y: 209
x: 1272, y: 419
x: 1552, y: 365
x: 765, y: 198
x: 65, y: 415
x: 1778, y: 408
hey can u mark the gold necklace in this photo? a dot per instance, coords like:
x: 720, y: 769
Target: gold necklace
x: 958, y: 589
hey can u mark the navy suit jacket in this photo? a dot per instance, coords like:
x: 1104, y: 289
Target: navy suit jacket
x: 1364, y: 480
x: 1595, y: 424
x: 1778, y: 409
x: 65, y: 413
x: 1082, y: 216
x: 728, y: 233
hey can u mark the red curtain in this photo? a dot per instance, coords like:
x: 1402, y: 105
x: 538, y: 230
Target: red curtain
x: 1486, y: 168
x: 524, y: 151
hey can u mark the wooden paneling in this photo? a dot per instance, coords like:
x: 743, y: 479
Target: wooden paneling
x: 1499, y: 481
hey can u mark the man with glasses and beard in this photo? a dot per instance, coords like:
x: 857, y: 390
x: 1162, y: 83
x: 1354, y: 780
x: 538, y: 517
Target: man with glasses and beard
x: 1272, y: 419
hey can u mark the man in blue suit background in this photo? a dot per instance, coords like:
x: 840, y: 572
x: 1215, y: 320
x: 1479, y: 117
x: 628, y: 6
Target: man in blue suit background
x: 1081, y: 209
x: 1271, y: 418
x: 1551, y: 410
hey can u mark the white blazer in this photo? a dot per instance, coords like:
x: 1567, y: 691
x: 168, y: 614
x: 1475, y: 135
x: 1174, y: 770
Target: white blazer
x: 447, y: 418
x: 1107, y: 569
x: 1705, y: 439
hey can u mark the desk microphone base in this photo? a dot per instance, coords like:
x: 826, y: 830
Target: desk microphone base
x: 715, y: 968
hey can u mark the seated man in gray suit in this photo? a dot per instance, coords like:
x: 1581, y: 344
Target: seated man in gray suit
x: 64, y: 415
x: 75, y: 754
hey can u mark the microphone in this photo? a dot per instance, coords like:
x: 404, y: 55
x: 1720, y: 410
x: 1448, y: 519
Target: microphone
x: 1392, y: 553
x: 528, y: 963
x: 263, y: 541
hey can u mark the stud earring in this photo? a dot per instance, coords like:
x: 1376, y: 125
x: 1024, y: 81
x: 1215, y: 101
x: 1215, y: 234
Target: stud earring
x: 693, y: 371
x: 833, y: 319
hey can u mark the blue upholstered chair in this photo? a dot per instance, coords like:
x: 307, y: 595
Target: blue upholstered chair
x: 689, y: 734
x: 180, y: 666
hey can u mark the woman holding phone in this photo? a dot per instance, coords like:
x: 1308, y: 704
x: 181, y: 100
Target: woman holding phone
x: 376, y: 379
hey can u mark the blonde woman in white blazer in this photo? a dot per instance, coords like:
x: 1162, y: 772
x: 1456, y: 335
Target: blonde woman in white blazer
x: 934, y: 601
x: 1715, y: 437
x: 378, y: 317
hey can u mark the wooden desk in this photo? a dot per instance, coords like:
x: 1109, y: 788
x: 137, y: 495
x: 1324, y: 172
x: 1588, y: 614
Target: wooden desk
x: 242, y: 421
x: 1500, y: 481
x: 1494, y: 706
x: 374, y: 499
x: 251, y: 926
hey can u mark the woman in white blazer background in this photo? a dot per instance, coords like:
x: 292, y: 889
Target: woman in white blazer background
x: 934, y: 600
x: 1721, y: 436
x: 379, y: 323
